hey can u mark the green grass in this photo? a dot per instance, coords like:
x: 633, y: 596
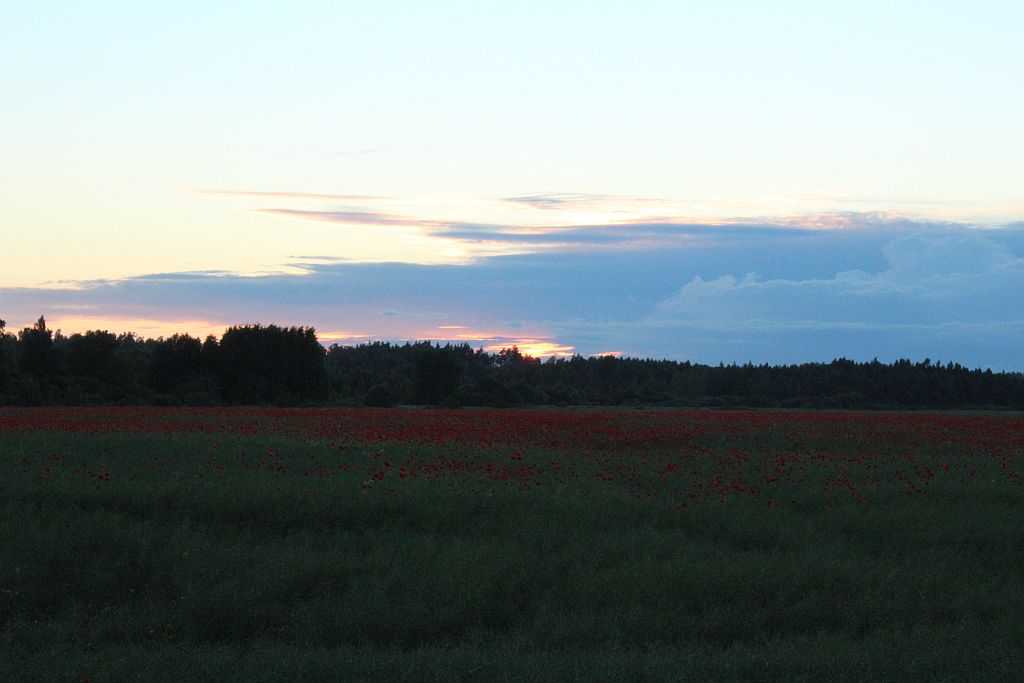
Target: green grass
x: 162, y: 575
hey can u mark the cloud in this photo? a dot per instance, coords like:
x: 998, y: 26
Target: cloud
x: 259, y: 194
x: 580, y: 201
x: 725, y: 293
x: 345, y: 217
x: 570, y: 223
x: 358, y: 152
x: 410, y: 315
x: 846, y: 220
x: 633, y: 234
x: 930, y: 280
x: 939, y: 295
x: 559, y: 200
x: 584, y: 223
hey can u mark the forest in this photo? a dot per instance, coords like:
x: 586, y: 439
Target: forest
x: 287, y: 366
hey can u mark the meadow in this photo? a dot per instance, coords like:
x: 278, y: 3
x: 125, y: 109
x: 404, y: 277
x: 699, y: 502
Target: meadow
x: 255, y: 544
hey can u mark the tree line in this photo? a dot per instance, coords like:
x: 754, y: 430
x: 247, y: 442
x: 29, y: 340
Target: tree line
x: 287, y: 366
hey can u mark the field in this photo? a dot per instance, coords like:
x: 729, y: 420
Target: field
x: 263, y: 544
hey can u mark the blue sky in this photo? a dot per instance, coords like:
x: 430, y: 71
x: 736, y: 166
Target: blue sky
x: 727, y: 181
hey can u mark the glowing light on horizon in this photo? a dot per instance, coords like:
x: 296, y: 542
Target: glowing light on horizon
x: 460, y: 333
x: 141, y: 327
x: 327, y: 337
x: 494, y: 342
x: 535, y: 348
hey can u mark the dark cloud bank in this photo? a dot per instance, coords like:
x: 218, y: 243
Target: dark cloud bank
x: 761, y: 293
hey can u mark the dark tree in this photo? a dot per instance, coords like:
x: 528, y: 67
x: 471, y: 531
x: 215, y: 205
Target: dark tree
x: 209, y: 359
x: 175, y: 361
x: 381, y: 395
x: 437, y: 376
x: 6, y: 357
x: 92, y: 354
x: 271, y: 364
x: 254, y: 364
x: 37, y: 353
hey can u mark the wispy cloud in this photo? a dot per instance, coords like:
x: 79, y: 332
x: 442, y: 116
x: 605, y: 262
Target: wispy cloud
x: 654, y: 233
x: 770, y: 202
x: 358, y: 152
x: 346, y: 217
x: 582, y: 201
x: 558, y: 200
x: 570, y: 223
x: 846, y: 220
x: 263, y: 194
x: 410, y: 315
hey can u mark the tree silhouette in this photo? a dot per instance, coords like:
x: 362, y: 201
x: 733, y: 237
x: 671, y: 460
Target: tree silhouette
x: 255, y: 364
x: 6, y: 371
x: 37, y: 353
x: 175, y: 361
x: 260, y: 364
x: 438, y: 374
x: 92, y: 354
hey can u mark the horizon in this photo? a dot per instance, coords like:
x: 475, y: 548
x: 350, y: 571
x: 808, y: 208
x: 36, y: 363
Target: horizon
x: 531, y: 352
x: 714, y: 182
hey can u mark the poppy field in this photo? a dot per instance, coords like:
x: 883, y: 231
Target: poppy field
x: 373, y: 544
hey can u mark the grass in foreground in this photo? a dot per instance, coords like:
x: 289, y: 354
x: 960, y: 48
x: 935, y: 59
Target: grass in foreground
x: 224, y: 557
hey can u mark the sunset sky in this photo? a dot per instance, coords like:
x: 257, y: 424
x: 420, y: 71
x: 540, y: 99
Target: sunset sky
x: 712, y: 181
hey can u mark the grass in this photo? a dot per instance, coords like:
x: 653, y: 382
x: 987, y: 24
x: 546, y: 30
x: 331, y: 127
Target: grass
x: 189, y: 563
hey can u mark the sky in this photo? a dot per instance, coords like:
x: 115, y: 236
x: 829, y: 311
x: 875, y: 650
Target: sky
x: 724, y: 181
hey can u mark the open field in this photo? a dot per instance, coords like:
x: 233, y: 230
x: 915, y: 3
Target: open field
x: 256, y: 544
